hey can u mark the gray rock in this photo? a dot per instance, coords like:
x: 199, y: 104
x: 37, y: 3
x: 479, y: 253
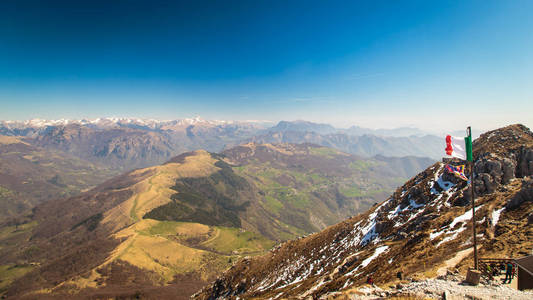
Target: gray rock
x: 494, y: 168
x: 485, y: 184
x: 524, y: 195
x: 525, y: 163
x: 401, y: 235
x: 464, y: 200
x: 508, y: 167
x: 382, y: 226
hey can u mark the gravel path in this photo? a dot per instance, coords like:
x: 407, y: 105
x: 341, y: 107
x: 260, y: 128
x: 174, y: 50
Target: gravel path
x: 436, y: 288
x: 450, y: 263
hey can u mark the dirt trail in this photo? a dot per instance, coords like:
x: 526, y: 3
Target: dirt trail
x: 215, y: 236
x: 452, y: 262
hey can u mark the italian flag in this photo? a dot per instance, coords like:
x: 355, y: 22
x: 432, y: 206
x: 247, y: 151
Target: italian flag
x: 459, y: 147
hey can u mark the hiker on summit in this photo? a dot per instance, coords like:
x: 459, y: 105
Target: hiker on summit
x: 508, y: 273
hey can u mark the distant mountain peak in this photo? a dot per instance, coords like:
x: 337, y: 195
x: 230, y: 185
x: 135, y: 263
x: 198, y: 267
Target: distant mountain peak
x: 303, y: 126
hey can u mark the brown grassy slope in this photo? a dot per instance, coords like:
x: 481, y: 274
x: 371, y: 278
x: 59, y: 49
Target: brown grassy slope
x: 76, y: 243
x: 30, y: 175
x: 67, y: 238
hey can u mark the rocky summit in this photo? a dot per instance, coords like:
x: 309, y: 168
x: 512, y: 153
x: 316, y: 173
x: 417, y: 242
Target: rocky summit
x: 422, y: 230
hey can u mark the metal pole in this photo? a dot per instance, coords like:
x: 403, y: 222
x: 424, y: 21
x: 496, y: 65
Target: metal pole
x: 473, y: 205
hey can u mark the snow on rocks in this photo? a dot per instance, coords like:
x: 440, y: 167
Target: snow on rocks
x: 445, y: 185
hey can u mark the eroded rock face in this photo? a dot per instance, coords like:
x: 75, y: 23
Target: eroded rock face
x: 508, y: 168
x: 492, y: 171
x: 525, y: 163
x: 525, y: 194
x: 502, y: 155
x: 485, y: 184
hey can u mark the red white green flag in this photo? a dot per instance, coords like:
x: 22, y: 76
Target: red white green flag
x: 459, y: 147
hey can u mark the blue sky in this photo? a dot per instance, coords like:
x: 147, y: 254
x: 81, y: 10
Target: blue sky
x: 430, y: 64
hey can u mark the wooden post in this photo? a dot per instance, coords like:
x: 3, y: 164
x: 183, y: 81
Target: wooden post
x: 473, y: 204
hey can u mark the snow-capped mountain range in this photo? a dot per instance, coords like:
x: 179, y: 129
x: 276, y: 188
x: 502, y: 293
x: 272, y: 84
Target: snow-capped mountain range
x: 116, y: 121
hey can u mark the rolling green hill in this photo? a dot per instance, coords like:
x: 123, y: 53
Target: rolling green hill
x: 178, y: 225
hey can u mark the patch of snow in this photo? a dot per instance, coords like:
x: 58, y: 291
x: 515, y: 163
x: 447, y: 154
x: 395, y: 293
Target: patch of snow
x: 433, y: 235
x: 496, y: 216
x: 378, y: 251
x: 464, y: 217
x: 414, y: 216
x: 314, y: 288
x: 445, y: 185
x: 394, y: 212
x: 347, y: 283
x: 286, y: 275
x: 413, y: 204
x: 441, y: 166
x: 453, y: 233
x: 369, y: 233
x: 439, y: 197
x: 451, y: 237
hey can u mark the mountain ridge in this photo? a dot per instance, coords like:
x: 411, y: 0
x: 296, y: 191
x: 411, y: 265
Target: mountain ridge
x: 129, y: 143
x: 427, y: 218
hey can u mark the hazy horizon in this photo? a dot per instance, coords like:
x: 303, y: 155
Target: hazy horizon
x: 434, y: 66
x: 269, y: 123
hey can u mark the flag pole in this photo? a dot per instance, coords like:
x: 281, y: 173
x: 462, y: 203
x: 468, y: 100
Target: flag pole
x: 471, y: 159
